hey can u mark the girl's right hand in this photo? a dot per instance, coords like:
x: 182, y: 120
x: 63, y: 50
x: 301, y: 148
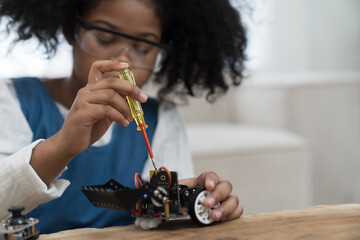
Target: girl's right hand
x: 97, y: 105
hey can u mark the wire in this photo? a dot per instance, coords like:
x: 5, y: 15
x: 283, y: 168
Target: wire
x: 137, y: 180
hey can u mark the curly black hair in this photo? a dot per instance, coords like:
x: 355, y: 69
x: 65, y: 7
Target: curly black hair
x: 207, y: 37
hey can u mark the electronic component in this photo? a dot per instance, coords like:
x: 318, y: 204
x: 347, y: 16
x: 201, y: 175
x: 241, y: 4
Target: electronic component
x: 18, y: 226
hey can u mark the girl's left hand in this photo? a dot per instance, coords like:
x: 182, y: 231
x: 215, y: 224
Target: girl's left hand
x: 230, y: 208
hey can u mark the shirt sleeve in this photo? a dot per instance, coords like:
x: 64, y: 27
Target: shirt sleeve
x: 19, y: 183
x: 170, y: 145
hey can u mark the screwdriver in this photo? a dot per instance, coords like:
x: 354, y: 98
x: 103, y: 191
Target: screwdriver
x: 137, y: 112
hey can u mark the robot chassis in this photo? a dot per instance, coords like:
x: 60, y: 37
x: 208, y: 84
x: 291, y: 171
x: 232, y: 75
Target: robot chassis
x: 162, y: 198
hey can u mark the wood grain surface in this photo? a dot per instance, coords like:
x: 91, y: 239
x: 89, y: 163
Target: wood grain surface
x: 317, y: 222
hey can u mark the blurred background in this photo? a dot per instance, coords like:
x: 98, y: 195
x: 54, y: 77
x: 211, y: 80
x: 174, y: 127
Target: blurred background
x: 289, y: 136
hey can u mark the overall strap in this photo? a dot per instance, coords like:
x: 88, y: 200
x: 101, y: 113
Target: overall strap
x: 38, y: 107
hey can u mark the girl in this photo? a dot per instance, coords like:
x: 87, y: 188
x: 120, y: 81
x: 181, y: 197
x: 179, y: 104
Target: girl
x: 79, y: 129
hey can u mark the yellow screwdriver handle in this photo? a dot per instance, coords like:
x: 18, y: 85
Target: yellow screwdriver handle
x: 135, y: 107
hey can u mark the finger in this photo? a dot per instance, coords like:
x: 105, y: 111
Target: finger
x: 95, y: 112
x: 111, y: 74
x: 110, y: 97
x: 234, y: 215
x: 209, y: 180
x: 220, y: 193
x: 226, y: 208
x: 98, y: 68
x: 123, y: 87
x: 189, y: 182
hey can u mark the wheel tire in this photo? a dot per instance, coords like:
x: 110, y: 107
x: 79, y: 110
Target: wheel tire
x: 198, y: 212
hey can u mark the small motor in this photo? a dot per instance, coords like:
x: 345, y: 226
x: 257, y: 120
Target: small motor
x: 18, y: 226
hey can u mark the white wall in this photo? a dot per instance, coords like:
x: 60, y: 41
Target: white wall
x: 304, y: 35
x: 335, y: 32
x: 28, y: 58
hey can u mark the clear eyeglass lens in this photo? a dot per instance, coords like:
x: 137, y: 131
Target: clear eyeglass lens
x: 108, y: 46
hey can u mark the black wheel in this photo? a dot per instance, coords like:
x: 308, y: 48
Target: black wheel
x: 198, y: 212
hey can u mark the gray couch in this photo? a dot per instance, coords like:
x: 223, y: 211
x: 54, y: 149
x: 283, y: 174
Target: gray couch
x: 286, y: 141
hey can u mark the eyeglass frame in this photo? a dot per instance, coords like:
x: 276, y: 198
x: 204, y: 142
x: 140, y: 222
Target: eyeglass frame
x: 89, y: 26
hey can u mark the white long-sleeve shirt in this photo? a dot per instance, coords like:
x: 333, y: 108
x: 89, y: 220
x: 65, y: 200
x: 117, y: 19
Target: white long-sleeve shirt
x: 19, y: 183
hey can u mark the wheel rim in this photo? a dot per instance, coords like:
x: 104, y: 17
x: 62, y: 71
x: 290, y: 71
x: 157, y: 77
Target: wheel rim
x: 202, y: 213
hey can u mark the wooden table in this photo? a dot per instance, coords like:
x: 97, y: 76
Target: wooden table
x: 317, y: 222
